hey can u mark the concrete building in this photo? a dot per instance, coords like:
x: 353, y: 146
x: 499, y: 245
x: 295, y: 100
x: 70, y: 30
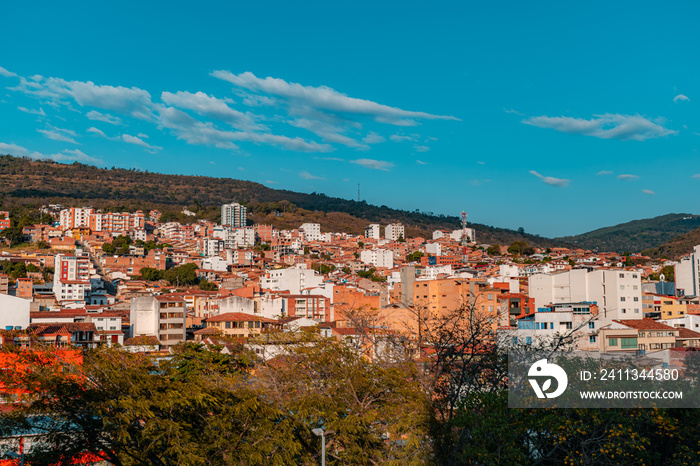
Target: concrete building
x: 618, y: 293
x: 312, y: 231
x: 75, y: 217
x: 14, y: 312
x: 71, y: 280
x: 373, y: 231
x: 434, y: 249
x: 4, y: 220
x: 378, y: 258
x: 161, y: 316
x: 688, y: 273
x: 394, y: 231
x: 233, y: 215
x: 293, y: 279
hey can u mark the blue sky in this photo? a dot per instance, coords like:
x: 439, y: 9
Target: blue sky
x: 559, y: 117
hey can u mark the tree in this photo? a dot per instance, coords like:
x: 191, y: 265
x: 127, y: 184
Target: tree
x: 108, y: 248
x: 494, y: 250
x: 42, y: 245
x: 151, y: 274
x: 182, y: 275
x: 206, y: 285
x: 13, y: 235
x: 414, y: 256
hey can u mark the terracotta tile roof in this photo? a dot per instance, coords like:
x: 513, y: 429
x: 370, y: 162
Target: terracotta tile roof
x: 687, y: 333
x: 142, y: 340
x: 645, y: 324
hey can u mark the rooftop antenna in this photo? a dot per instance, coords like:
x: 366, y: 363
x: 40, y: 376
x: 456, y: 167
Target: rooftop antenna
x: 465, y: 239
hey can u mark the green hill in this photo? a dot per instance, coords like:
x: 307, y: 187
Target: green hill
x: 32, y: 182
x: 677, y: 247
x: 636, y: 236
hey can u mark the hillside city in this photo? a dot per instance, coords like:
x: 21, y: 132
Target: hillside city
x: 88, y: 278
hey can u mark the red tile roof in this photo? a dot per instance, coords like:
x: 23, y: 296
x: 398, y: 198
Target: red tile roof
x: 645, y: 324
x: 238, y: 317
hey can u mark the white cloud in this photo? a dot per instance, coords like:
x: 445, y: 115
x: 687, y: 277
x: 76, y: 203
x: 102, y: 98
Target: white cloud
x: 607, y: 126
x: 308, y: 176
x: 420, y: 162
x: 697, y: 176
x: 129, y: 101
x: 66, y: 155
x: 481, y: 163
x: 97, y: 116
x: 328, y: 132
x: 604, y: 172
x: 325, y: 99
x: 6, y: 73
x: 373, y: 164
x: 139, y: 142
x: 57, y: 136
x: 648, y: 191
x: 510, y: 110
x: 402, y: 137
x: 98, y: 132
x: 373, y: 138
x: 142, y: 135
x: 680, y: 97
x: 241, y: 169
x: 31, y: 111
x: 421, y: 148
x: 211, y: 107
x: 627, y: 177
x: 550, y: 180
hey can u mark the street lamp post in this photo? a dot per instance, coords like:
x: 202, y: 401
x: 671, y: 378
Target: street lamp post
x: 320, y: 432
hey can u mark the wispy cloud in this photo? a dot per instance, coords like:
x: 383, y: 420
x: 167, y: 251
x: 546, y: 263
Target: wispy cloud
x: 606, y: 126
x: 648, y: 191
x: 6, y: 73
x: 140, y: 142
x: 627, y: 177
x: 97, y: 116
x: 550, y: 180
x: 374, y: 164
x: 510, y: 110
x: 696, y: 176
x: 420, y: 162
x: 373, y: 138
x: 680, y: 97
x: 31, y: 111
x: 325, y: 99
x: 66, y: 155
x: 403, y: 137
x: 308, y: 176
x: 328, y: 132
x: 604, y: 172
x: 59, y: 135
x: 211, y: 107
x: 98, y: 132
x: 418, y: 148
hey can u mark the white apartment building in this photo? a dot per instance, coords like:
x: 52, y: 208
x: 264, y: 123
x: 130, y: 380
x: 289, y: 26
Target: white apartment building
x: 394, y: 231
x: 233, y: 215
x: 378, y: 258
x: 618, y: 293
x: 243, y: 237
x: 688, y: 273
x: 161, y: 316
x: 75, y: 217
x: 573, y: 320
x: 312, y: 231
x: 293, y: 279
x: 434, y: 249
x: 71, y: 280
x: 456, y: 235
x: 373, y: 231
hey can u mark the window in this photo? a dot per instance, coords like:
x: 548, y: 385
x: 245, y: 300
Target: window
x: 622, y: 299
x: 612, y: 342
x: 628, y: 343
x: 636, y: 311
x: 591, y: 339
x: 228, y: 324
x: 634, y: 275
x: 490, y: 296
x: 622, y: 275
x: 568, y: 325
x: 515, y: 340
x: 622, y: 287
x: 636, y: 299
x: 551, y: 325
x: 591, y: 325
x: 624, y: 311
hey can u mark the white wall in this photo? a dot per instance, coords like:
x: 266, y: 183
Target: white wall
x: 14, y: 311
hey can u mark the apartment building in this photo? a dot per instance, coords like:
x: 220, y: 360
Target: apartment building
x: 316, y: 307
x: 373, y: 231
x: 293, y: 279
x: 233, y: 215
x: 312, y: 231
x: 161, y: 316
x: 378, y: 258
x: 394, y: 231
x: 242, y: 325
x: 618, y: 293
x: 71, y: 280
